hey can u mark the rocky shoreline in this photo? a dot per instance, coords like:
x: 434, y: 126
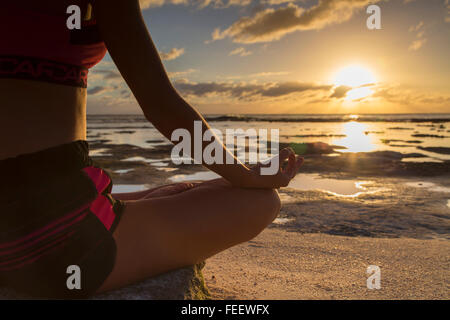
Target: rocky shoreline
x: 182, y: 284
x: 319, y: 158
x: 389, y: 207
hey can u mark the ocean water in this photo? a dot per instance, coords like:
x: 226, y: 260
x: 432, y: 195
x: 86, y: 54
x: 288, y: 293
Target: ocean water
x: 427, y: 135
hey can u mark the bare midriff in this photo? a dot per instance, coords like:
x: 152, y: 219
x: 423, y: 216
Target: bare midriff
x: 37, y: 115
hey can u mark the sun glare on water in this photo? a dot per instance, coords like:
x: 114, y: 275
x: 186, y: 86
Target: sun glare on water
x: 355, y: 138
x: 358, y: 78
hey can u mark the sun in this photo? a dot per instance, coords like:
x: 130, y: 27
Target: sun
x: 358, y: 78
x: 354, y: 76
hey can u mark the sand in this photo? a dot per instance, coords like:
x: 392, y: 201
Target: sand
x: 279, y: 264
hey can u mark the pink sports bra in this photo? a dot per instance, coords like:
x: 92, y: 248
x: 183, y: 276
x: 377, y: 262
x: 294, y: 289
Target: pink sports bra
x: 36, y: 44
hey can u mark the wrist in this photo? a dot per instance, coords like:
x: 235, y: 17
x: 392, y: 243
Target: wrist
x: 238, y: 174
x: 242, y: 176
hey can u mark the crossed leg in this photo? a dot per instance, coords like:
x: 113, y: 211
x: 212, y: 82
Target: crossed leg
x: 165, y: 190
x: 156, y: 235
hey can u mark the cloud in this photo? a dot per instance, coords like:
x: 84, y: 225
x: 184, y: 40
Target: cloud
x: 222, y: 4
x: 417, y: 44
x: 275, y: 2
x: 104, y: 71
x: 273, y: 23
x: 158, y: 3
x: 255, y: 75
x: 96, y: 90
x: 106, y: 83
x: 420, y: 36
x: 176, y: 74
x: 269, y: 74
x: 447, y: 6
x: 172, y: 54
x: 416, y: 27
x: 109, y: 74
x: 145, y: 4
x: 100, y: 89
x: 246, y: 91
x: 410, y: 97
x: 340, y: 92
x: 241, y: 52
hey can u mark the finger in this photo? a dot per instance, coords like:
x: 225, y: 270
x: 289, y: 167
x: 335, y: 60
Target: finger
x: 282, y: 179
x: 294, y: 165
x: 299, y: 162
x: 284, y: 155
x: 291, y: 167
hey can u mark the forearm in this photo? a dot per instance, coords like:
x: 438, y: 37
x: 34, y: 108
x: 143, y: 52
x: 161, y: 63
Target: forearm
x: 175, y: 113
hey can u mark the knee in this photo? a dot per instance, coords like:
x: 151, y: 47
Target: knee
x: 265, y: 208
x: 270, y: 204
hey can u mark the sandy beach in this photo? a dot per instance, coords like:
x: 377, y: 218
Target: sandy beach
x: 279, y: 264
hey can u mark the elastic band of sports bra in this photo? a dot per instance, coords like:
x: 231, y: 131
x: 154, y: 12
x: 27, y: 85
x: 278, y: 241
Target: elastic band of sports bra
x: 29, y: 68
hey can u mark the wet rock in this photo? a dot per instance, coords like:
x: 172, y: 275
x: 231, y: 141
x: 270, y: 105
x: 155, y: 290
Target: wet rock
x: 441, y: 150
x: 182, y: 284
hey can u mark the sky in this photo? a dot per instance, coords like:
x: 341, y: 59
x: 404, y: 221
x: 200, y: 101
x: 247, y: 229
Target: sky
x: 293, y: 56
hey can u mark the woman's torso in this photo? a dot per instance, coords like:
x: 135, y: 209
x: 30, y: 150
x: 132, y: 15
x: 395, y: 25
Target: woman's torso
x: 37, y: 115
x: 43, y: 68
